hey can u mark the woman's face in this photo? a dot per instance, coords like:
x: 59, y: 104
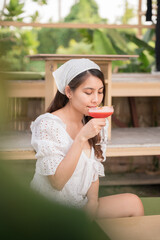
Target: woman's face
x: 88, y: 94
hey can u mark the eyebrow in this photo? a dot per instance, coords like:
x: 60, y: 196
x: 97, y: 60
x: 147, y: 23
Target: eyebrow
x: 92, y: 88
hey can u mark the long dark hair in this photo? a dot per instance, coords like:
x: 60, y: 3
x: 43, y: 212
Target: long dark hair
x: 60, y: 100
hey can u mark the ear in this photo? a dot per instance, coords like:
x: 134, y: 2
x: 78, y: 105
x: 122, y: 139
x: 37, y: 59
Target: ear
x: 68, y: 91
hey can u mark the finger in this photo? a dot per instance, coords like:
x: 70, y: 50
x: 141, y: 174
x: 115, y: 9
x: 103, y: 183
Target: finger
x: 100, y: 120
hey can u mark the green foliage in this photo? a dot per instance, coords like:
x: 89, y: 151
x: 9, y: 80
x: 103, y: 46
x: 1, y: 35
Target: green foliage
x: 14, y: 10
x: 15, y: 45
x: 35, y: 17
x: 128, y: 13
x: 145, y: 51
x: 50, y: 39
x: 84, y: 11
x: 76, y: 48
x: 40, y: 2
x: 101, y: 43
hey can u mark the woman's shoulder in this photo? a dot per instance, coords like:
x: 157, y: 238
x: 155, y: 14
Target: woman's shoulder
x: 47, y: 119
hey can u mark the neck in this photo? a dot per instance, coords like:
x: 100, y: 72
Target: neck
x: 72, y: 114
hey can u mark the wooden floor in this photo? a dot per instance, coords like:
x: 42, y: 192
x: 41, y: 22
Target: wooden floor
x: 124, y: 142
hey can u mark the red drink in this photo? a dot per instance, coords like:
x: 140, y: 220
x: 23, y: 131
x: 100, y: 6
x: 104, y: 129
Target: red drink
x: 101, y: 112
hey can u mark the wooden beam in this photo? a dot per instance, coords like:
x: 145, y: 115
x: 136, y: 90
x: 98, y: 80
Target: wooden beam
x: 20, y: 154
x: 26, y: 89
x: 74, y: 25
x: 135, y: 89
x: 132, y: 151
x: 99, y: 58
x: 120, y: 88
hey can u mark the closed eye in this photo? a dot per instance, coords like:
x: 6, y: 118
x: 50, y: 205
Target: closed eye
x: 88, y: 93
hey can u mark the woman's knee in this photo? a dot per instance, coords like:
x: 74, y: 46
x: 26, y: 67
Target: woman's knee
x: 136, y: 205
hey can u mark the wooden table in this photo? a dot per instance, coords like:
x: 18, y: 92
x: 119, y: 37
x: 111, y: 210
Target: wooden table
x: 134, y: 228
x: 53, y: 60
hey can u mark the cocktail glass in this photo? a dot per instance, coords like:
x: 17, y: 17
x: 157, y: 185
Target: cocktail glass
x: 101, y: 112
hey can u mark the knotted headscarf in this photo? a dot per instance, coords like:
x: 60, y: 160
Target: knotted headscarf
x: 70, y: 69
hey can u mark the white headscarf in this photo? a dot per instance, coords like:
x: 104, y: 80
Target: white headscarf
x: 70, y: 69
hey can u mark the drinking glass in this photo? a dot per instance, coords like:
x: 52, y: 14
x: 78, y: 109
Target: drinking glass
x: 101, y: 112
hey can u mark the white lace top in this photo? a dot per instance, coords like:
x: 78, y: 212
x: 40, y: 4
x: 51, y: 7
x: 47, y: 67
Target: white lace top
x: 51, y: 143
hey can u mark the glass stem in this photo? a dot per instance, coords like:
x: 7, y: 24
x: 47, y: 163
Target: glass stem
x: 102, y: 135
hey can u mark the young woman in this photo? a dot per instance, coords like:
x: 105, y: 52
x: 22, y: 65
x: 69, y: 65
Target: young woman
x: 68, y: 160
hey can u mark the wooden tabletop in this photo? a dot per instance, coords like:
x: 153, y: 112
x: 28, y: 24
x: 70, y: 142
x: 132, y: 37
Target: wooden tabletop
x: 61, y: 57
x: 133, y: 228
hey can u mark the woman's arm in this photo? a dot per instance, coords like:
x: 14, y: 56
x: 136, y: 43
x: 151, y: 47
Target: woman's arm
x: 69, y: 163
x: 92, y: 195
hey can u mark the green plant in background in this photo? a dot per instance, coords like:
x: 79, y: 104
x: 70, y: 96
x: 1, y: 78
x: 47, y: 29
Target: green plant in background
x: 128, y: 14
x: 76, y: 48
x: 13, y: 10
x: 19, y: 43
x: 16, y: 45
x: 145, y: 49
x: 50, y: 39
x: 84, y: 12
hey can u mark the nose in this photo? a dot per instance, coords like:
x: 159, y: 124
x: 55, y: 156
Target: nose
x: 95, y: 98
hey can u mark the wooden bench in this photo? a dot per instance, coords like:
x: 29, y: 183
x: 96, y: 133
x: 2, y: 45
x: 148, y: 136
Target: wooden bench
x: 135, y: 84
x: 123, y: 85
x: 124, y: 142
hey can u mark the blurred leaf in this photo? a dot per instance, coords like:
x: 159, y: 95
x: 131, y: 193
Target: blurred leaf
x: 148, y: 35
x: 101, y: 44
x: 118, y: 38
x: 143, y: 59
x: 139, y: 42
x: 87, y: 35
x: 84, y: 11
x: 76, y: 48
x: 41, y: 2
x: 128, y: 14
x: 14, y: 9
x: 35, y: 16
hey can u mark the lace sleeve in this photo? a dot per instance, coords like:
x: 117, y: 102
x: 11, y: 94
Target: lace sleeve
x: 49, y: 142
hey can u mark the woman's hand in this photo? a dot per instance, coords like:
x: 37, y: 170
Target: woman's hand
x: 92, y: 128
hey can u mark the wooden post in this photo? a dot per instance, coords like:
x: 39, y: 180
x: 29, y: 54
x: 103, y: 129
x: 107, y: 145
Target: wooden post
x: 139, y: 35
x: 106, y: 68
x: 50, y: 86
x: 109, y: 95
